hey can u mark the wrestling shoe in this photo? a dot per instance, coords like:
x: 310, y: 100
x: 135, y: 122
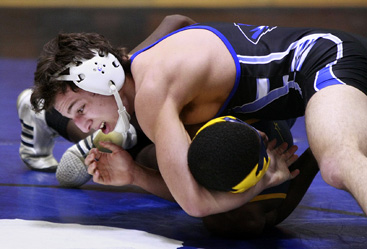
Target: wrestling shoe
x: 37, y: 138
x: 72, y: 171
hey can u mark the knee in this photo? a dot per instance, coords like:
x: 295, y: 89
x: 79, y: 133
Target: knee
x: 331, y: 169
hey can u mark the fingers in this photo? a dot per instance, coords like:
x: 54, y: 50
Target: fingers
x: 110, y: 146
x: 292, y: 159
x: 93, y: 156
x: 98, y: 178
x: 293, y: 149
x: 294, y: 173
x: 272, y: 144
x: 290, y: 152
x: 91, y: 160
x: 264, y: 137
x: 283, y: 150
x: 96, y: 173
x: 92, y: 168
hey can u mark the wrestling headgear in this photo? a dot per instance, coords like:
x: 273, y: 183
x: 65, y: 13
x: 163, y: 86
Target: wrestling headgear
x: 103, y: 74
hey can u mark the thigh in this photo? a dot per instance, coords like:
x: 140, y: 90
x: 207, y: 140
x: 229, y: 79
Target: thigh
x: 336, y: 120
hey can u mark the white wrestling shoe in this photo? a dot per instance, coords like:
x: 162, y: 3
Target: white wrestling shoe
x: 37, y: 138
x: 72, y: 172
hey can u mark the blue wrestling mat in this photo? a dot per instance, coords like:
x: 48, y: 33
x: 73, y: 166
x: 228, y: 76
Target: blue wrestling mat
x: 37, y: 213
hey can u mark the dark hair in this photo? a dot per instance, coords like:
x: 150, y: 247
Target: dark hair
x: 223, y: 154
x: 60, y: 51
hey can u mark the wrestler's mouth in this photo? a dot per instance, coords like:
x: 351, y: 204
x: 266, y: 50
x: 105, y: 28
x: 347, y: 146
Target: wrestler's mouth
x: 103, y: 127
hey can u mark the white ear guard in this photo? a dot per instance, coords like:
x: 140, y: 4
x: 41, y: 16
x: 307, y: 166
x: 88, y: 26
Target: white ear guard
x: 103, y: 74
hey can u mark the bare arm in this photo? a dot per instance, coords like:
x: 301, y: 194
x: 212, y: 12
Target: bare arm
x: 193, y: 198
x: 168, y: 25
x: 119, y: 168
x: 172, y: 143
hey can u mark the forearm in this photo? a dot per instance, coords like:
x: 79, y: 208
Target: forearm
x: 172, y: 143
x: 219, y: 202
x: 199, y: 201
x: 151, y: 181
x: 193, y: 198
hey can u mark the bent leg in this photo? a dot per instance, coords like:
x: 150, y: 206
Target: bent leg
x: 336, y: 119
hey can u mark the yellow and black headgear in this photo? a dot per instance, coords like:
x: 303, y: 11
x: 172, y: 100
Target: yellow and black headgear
x: 228, y: 154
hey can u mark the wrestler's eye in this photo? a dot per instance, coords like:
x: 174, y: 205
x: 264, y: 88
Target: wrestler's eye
x: 81, y: 110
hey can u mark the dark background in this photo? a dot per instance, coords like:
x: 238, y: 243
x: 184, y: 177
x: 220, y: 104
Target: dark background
x: 23, y: 31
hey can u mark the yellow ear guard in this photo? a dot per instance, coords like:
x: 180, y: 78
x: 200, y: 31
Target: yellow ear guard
x: 258, y: 170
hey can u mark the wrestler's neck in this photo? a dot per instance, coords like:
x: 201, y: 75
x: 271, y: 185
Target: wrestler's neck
x: 127, y: 94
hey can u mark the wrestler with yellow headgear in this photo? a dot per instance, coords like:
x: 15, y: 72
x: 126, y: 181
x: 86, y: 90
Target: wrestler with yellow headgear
x: 227, y: 154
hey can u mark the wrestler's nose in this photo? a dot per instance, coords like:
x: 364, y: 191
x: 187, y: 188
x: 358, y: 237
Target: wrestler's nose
x: 83, y: 123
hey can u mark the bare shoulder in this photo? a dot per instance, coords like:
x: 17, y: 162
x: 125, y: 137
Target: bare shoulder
x: 177, y: 73
x: 186, y: 51
x: 155, y: 101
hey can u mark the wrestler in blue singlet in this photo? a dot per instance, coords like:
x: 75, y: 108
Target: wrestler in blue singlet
x: 279, y: 69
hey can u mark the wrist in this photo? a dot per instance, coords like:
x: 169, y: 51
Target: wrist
x: 136, y: 174
x: 141, y: 175
x: 262, y: 184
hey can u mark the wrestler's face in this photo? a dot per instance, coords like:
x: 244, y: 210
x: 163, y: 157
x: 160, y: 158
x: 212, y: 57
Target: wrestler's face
x: 89, y: 111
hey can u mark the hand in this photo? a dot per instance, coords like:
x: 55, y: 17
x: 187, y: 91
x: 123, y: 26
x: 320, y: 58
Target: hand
x: 264, y: 137
x: 115, y: 168
x: 280, y: 159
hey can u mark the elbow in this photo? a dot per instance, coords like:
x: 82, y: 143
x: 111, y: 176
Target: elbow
x: 195, y: 210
